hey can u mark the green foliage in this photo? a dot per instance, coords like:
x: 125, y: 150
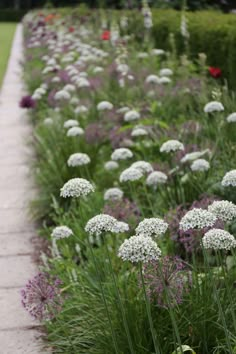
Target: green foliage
x: 10, y: 15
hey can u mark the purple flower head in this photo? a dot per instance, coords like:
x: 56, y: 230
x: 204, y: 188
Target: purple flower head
x: 95, y: 133
x: 167, y: 281
x: 27, y: 102
x: 41, y: 296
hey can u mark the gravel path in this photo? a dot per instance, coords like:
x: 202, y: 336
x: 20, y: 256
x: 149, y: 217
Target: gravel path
x: 18, y: 333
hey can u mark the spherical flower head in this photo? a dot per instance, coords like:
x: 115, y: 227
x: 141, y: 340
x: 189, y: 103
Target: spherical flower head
x: 229, y: 179
x: 48, y: 121
x: 113, y: 194
x: 130, y: 174
x: 76, y: 188
x: 111, y: 165
x: 104, y: 105
x: 200, y: 165
x: 155, y: 178
x: 197, y: 218
x: 218, y: 239
x: 61, y: 232
x: 143, y: 166
x: 81, y: 109
x: 136, y: 132
x: 223, y: 210
x: 213, y: 106
x: 131, y: 116
x: 120, y: 227
x: 78, y: 159
x: 122, y: 110
x: 139, y: 249
x: 121, y: 154
x: 62, y: 95
x: 27, y: 102
x: 70, y: 123
x: 152, y: 79
x: 100, y: 223
x: 166, y: 72
x: 171, y: 145
x: 193, y: 156
x: 152, y: 227
x: 75, y: 131
x: 157, y: 51
x: 41, y: 297
x: 164, y: 80
x: 231, y: 118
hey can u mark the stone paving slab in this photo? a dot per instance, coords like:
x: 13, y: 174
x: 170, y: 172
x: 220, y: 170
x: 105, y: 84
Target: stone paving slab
x: 16, y: 243
x: 19, y: 223
x: 16, y: 343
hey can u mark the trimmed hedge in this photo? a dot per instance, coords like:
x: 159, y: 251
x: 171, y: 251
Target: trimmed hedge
x: 9, y: 15
x: 211, y: 32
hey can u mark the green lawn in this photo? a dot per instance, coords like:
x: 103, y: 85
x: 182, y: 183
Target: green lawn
x: 7, y: 31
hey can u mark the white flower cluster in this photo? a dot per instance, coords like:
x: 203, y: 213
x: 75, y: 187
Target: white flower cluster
x: 121, y: 154
x: 78, y: 159
x: 113, y: 194
x: 200, y: 165
x: 130, y: 174
x: 70, y: 123
x: 231, y: 118
x: 143, y: 166
x: 104, y: 105
x: 111, y: 165
x: 171, y: 145
x: 139, y: 249
x: 229, y: 179
x: 120, y: 227
x: 166, y: 72
x: 76, y: 187
x: 152, y: 79
x: 155, y: 178
x: 81, y: 109
x: 75, y: 131
x: 61, y: 232
x: 194, y: 155
x: 197, y: 218
x: 139, y: 131
x: 105, y: 223
x: 131, y: 116
x: 152, y: 227
x: 62, y: 95
x: 213, y: 106
x: 218, y: 239
x: 223, y: 210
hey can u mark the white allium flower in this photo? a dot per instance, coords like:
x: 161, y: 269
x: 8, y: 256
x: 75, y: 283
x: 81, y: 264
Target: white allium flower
x: 70, y: 123
x: 142, y: 55
x: 130, y: 174
x: 100, y: 223
x: 74, y: 100
x: 152, y: 79
x: 231, y: 118
x: 56, y: 79
x: 157, y: 52
x: 200, y: 165
x: 78, y: 159
x: 155, y: 178
x: 193, y: 156
x: 113, y: 194
x: 76, y: 187
x: 223, y: 210
x: 111, y: 165
x: 61, y: 232
x: 122, y: 68
x: 121, y: 154
x: 164, y: 80
x: 143, y: 166
x: 82, y: 82
x: 81, y: 109
x: 139, y: 131
x: 218, y: 239
x: 152, y: 227
x: 197, y: 218
x: 98, y: 69
x: 69, y: 88
x: 131, y: 116
x: 104, y: 105
x: 48, y: 121
x: 166, y: 72
x: 213, y: 106
x: 229, y: 179
x: 139, y: 249
x: 171, y: 145
x: 75, y: 131
x: 62, y: 95
x: 122, y: 110
x: 120, y: 227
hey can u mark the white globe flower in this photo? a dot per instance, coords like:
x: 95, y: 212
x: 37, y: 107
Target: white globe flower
x: 111, y: 165
x: 218, y: 239
x: 193, y: 156
x: 62, y: 95
x: 130, y: 175
x: 166, y: 72
x: 78, y: 159
x: 120, y: 227
x: 200, y: 165
x: 122, y: 110
x: 131, y: 116
x: 75, y: 131
x: 213, y: 106
x: 76, y: 187
x: 171, y: 145
x: 136, y: 132
x: 229, y: 179
x: 61, y: 232
x: 143, y: 166
x: 81, y: 109
x: 152, y: 227
x: 48, y: 121
x: 121, y: 154
x: 164, y: 80
x: 157, y: 52
x: 155, y: 178
x: 113, y: 194
x: 197, y: 218
x: 139, y: 249
x: 104, y: 105
x: 70, y: 123
x: 100, y: 223
x: 69, y: 88
x: 152, y: 79
x: 231, y: 118
x: 223, y: 210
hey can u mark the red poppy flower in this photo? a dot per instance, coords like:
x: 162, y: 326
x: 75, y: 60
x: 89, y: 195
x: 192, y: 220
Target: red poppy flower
x: 71, y: 29
x: 214, y: 72
x: 106, y: 35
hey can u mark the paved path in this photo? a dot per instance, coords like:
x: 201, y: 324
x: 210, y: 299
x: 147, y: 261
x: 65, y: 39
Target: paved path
x: 18, y: 334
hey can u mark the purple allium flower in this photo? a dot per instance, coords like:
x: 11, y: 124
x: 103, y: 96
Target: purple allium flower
x: 123, y: 210
x: 117, y: 137
x: 95, y: 133
x: 41, y: 296
x: 27, y: 102
x: 167, y: 281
